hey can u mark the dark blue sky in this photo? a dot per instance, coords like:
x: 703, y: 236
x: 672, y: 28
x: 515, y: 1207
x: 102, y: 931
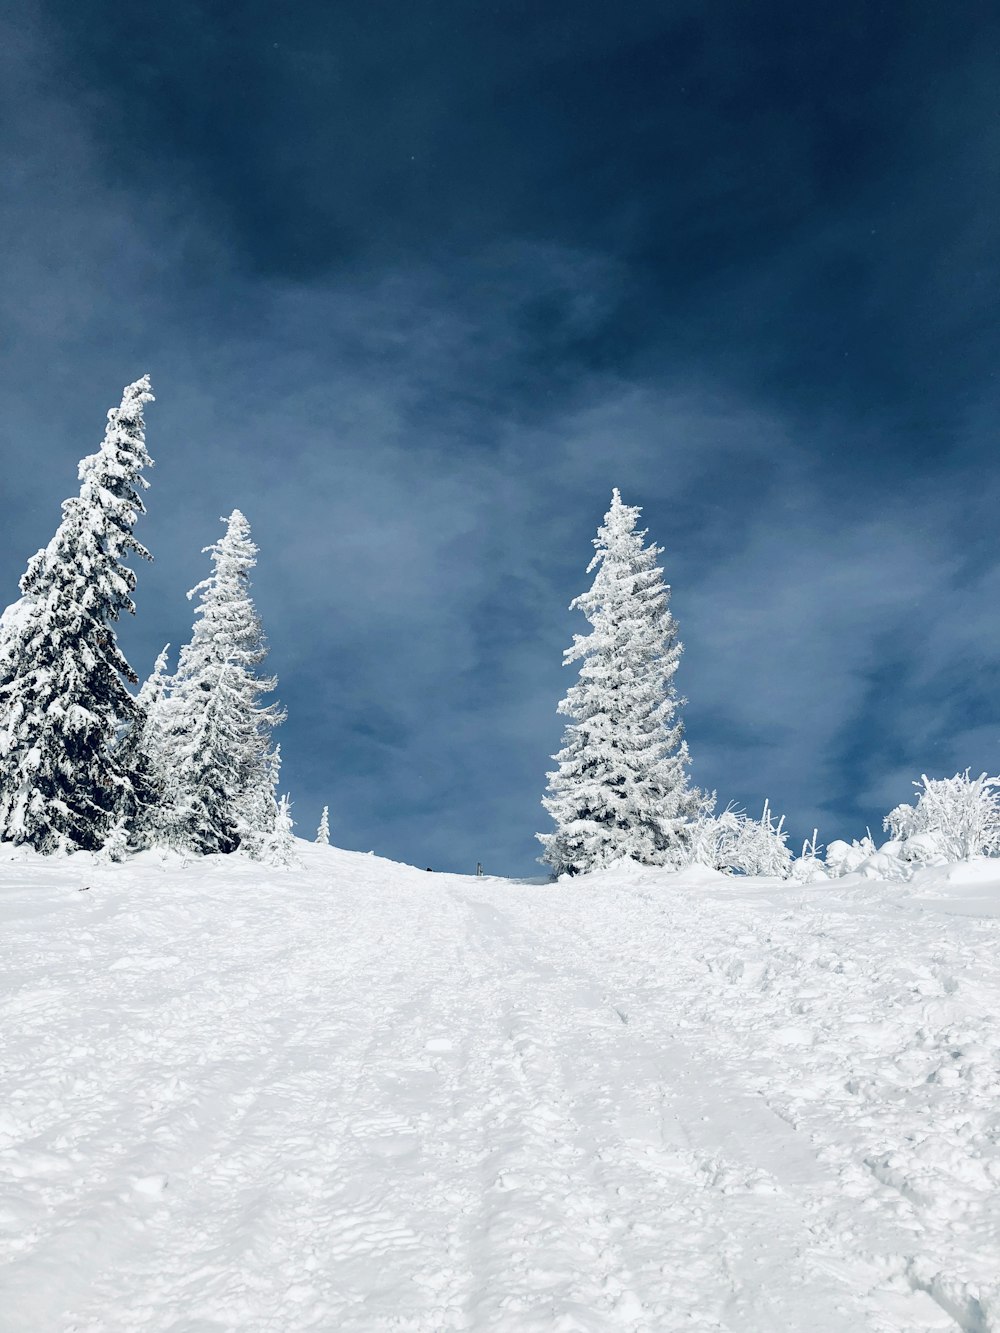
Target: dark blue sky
x: 418, y: 284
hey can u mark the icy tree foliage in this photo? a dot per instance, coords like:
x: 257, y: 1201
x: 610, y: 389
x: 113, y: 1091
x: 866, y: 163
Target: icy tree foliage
x: 323, y: 832
x: 621, y: 787
x: 731, y: 841
x: 117, y: 844
x: 257, y: 807
x: 844, y: 858
x: 214, y: 730
x: 279, y: 846
x: 953, y: 819
x: 64, y: 782
x: 152, y: 691
x: 11, y: 620
x: 142, y: 749
x: 809, y: 865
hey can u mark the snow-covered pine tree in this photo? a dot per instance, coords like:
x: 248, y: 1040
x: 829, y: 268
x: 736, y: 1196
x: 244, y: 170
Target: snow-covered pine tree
x: 64, y: 782
x: 142, y: 750
x: 257, y: 808
x: 323, y: 832
x: 11, y: 620
x: 117, y: 844
x: 279, y: 846
x: 621, y: 788
x: 150, y: 699
x: 216, y: 731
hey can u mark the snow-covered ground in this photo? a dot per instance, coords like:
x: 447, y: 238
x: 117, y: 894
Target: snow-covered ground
x: 356, y: 1096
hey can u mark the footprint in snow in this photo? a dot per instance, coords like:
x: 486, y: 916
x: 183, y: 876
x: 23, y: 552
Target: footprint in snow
x: 439, y: 1044
x: 151, y: 1186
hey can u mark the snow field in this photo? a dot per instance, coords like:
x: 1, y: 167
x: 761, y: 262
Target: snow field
x: 356, y: 1096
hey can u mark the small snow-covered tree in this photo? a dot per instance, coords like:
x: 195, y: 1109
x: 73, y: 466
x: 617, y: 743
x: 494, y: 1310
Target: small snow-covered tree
x: 809, y: 866
x: 117, y: 844
x: 323, y: 832
x: 150, y: 696
x: 142, y: 751
x: 621, y: 786
x: 279, y: 846
x: 216, y: 731
x: 953, y: 819
x: 65, y: 782
x: 258, y: 808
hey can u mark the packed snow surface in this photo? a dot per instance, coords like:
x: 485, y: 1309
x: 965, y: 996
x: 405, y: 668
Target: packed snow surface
x: 357, y: 1096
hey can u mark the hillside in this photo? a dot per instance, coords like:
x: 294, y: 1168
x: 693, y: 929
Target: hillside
x: 356, y: 1096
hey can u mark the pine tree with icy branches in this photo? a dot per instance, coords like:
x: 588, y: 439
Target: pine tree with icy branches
x: 257, y: 808
x: 151, y: 699
x: 65, y: 783
x: 279, y: 846
x: 621, y: 787
x: 216, y: 731
x: 11, y: 620
x: 142, y: 751
x: 323, y: 832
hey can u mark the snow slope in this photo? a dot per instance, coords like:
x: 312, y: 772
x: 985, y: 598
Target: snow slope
x: 357, y: 1096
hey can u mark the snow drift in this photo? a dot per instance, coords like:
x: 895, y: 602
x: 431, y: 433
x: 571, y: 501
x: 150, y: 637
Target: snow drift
x: 352, y: 1095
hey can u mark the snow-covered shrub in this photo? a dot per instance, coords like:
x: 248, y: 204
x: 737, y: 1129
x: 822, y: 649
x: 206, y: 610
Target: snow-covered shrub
x: 953, y: 819
x: 809, y: 866
x: 843, y: 858
x: 862, y: 857
x: 761, y: 847
x: 116, y: 845
x: 734, y: 842
x: 704, y: 832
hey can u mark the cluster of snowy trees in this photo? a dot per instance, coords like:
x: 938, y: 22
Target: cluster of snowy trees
x: 621, y: 788
x: 188, y: 761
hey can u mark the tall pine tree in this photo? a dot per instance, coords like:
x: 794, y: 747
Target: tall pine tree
x: 214, y: 730
x: 621, y: 787
x: 65, y: 783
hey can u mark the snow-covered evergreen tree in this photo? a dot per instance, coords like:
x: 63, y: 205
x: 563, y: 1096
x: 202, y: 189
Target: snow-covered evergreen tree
x: 65, y: 783
x: 621, y: 787
x: 117, y: 844
x: 152, y: 691
x: 142, y: 751
x: 257, y: 810
x: 216, y: 731
x: 279, y: 846
x: 11, y: 619
x: 323, y: 832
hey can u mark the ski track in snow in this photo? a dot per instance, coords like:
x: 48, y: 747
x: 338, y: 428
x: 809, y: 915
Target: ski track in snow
x: 358, y: 1097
